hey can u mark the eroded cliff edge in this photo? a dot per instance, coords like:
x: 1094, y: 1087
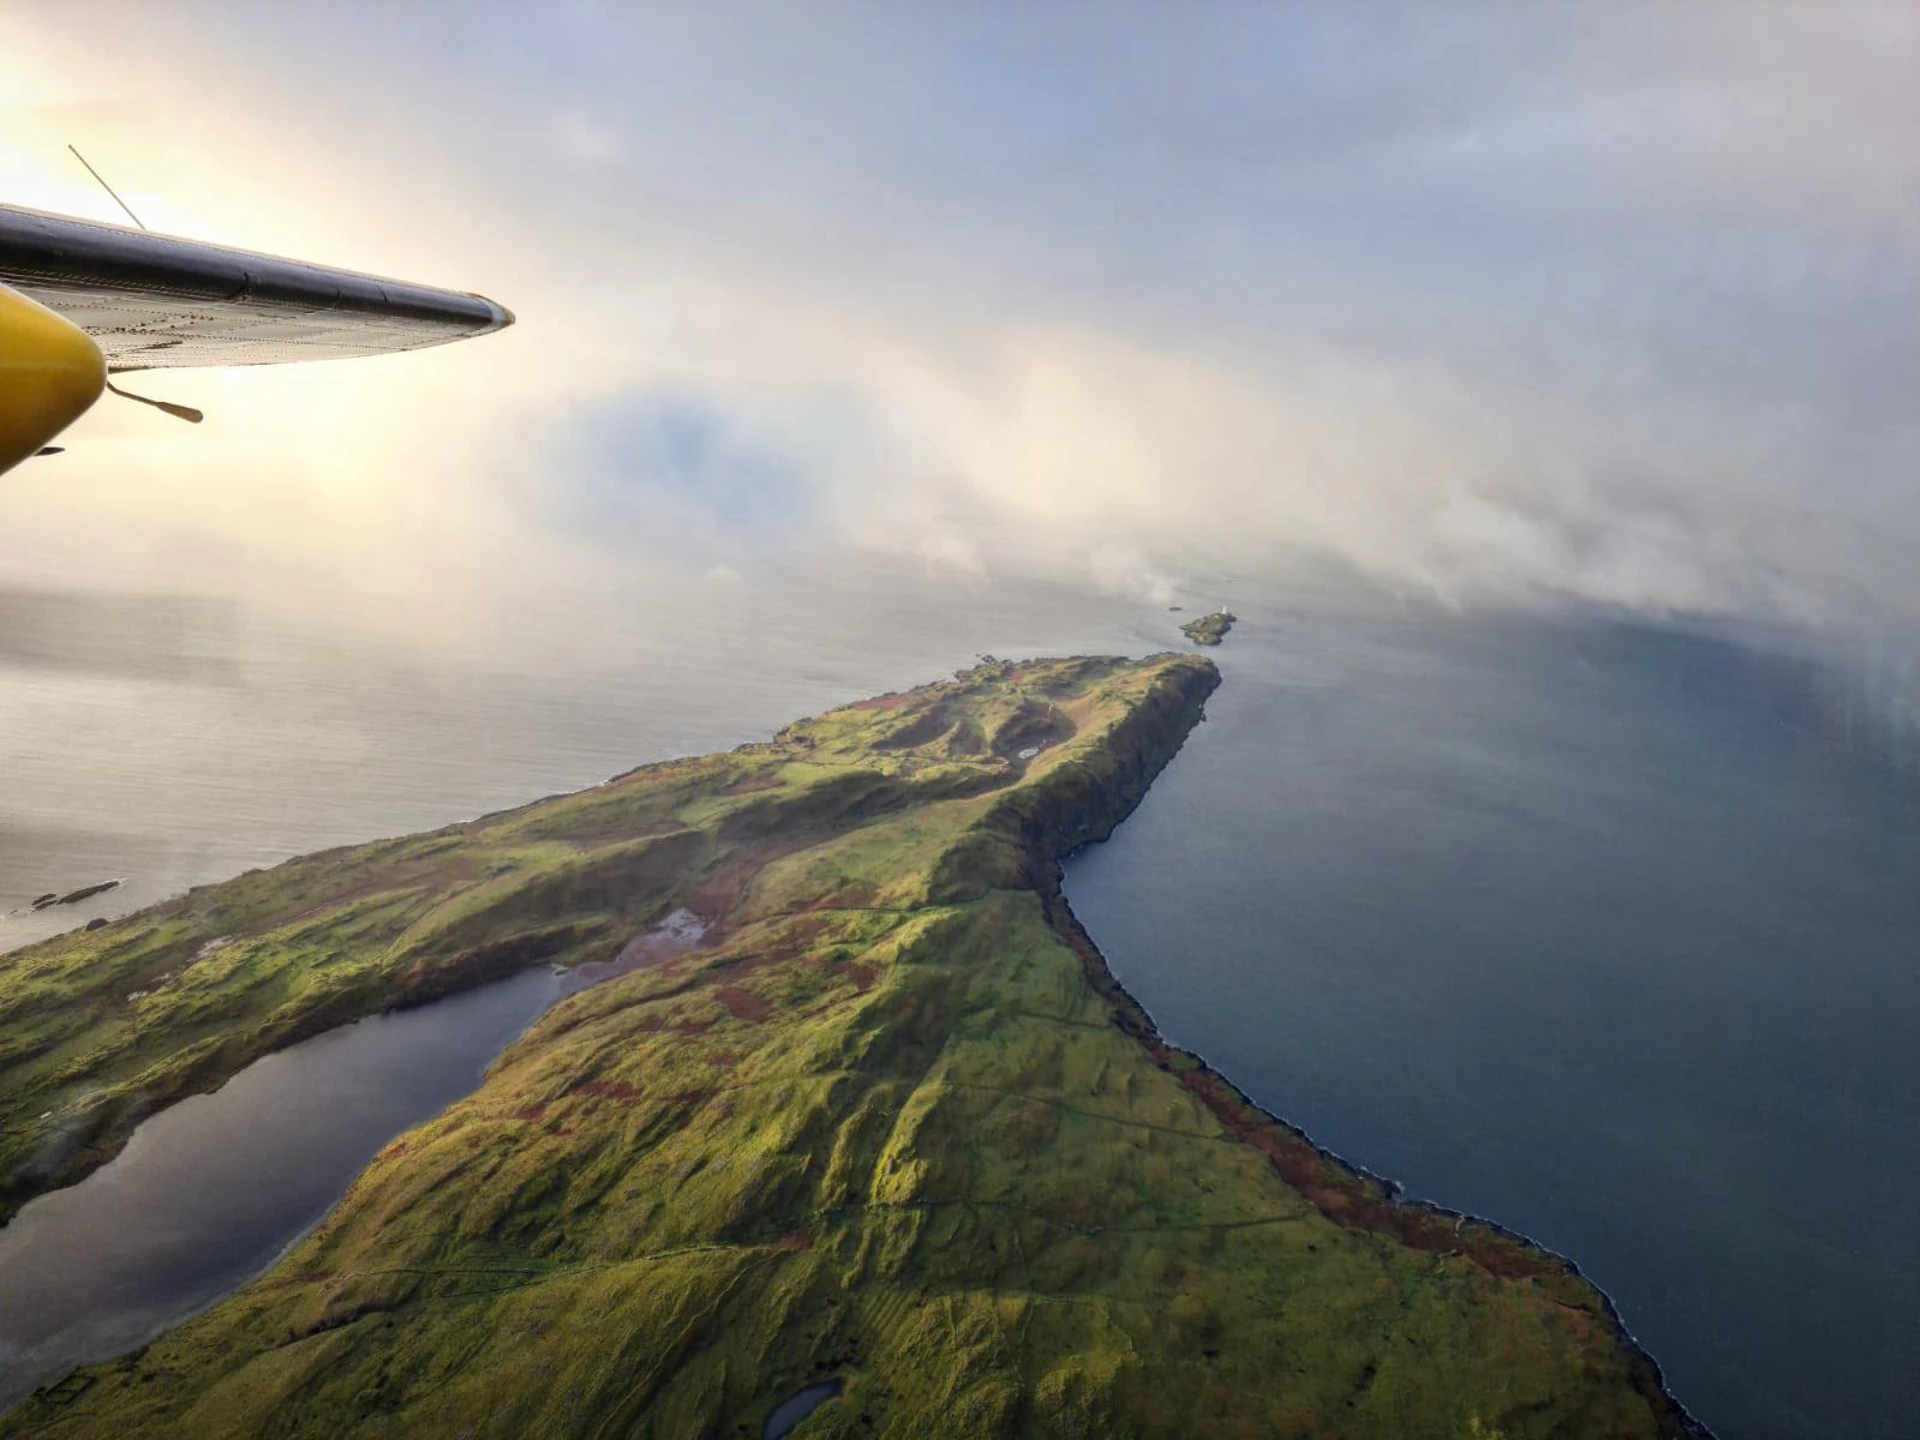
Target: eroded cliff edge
x: 894, y: 1124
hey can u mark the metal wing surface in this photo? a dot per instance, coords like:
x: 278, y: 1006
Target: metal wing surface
x: 154, y: 302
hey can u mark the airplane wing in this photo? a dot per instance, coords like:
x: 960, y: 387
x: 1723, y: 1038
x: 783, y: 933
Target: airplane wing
x: 80, y: 301
x: 153, y: 301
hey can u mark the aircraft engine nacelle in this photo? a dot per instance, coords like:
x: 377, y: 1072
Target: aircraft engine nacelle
x: 51, y: 372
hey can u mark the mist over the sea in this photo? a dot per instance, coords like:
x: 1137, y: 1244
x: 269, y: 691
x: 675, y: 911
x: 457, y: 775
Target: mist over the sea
x: 1604, y: 303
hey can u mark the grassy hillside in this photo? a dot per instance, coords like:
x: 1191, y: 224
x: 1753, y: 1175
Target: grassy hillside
x: 894, y: 1124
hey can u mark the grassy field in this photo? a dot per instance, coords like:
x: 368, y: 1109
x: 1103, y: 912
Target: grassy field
x: 894, y: 1124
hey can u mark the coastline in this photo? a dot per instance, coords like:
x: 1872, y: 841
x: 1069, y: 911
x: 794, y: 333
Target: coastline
x: 902, y: 1031
x: 1229, y: 1102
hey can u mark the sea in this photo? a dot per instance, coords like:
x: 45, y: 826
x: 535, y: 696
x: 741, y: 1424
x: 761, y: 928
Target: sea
x: 1602, y: 927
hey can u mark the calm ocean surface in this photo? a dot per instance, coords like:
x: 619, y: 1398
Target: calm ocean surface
x: 1605, y: 931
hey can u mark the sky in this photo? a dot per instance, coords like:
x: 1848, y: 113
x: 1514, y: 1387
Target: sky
x: 1494, y: 303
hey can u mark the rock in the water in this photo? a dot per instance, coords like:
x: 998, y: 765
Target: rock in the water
x: 74, y: 897
x: 1209, y: 629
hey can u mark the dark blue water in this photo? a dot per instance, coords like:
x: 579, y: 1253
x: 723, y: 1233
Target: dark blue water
x: 1608, y: 932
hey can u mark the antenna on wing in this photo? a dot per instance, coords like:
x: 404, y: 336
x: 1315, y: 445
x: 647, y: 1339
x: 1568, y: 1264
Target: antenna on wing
x: 108, y: 188
x: 179, y: 412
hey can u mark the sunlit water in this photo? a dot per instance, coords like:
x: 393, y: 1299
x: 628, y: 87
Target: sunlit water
x: 175, y: 745
x: 1607, y: 932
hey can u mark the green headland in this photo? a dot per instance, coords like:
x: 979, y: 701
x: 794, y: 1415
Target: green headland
x: 892, y: 1124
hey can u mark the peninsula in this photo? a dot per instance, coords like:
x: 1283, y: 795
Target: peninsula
x: 878, y: 1133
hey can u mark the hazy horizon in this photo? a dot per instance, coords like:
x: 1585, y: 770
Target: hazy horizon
x: 1596, y: 307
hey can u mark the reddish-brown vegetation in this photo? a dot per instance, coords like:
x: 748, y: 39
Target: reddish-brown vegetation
x: 743, y: 1004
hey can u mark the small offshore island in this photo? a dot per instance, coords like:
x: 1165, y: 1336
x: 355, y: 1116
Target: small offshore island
x: 1209, y: 629
x: 888, y: 1138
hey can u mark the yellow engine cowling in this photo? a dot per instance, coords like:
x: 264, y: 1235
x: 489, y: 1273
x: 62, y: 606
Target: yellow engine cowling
x: 50, y: 373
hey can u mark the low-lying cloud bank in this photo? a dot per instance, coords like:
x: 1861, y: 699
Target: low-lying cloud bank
x: 1606, y: 304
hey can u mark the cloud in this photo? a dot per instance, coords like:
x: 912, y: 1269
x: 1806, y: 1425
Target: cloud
x: 581, y: 137
x: 1608, y: 303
